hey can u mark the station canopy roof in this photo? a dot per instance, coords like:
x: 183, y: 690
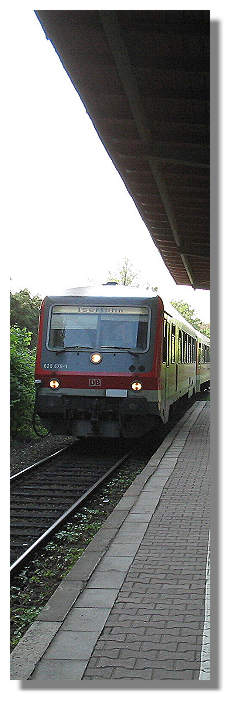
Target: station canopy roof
x: 144, y: 79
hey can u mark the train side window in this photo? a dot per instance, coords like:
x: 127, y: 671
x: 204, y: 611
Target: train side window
x: 189, y: 348
x: 193, y: 350
x: 185, y: 347
x: 164, y: 351
x: 172, y: 343
x: 199, y: 353
x: 168, y: 343
x: 207, y: 354
x: 180, y: 347
x: 203, y: 354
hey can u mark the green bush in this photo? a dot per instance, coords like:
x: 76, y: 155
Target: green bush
x: 21, y: 382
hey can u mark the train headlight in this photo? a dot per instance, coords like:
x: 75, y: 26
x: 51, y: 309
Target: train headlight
x: 54, y: 384
x: 136, y: 386
x: 96, y: 358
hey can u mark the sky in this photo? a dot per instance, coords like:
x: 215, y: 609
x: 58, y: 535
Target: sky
x: 73, y: 218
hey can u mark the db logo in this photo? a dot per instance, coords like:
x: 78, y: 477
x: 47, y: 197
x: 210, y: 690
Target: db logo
x: 94, y: 382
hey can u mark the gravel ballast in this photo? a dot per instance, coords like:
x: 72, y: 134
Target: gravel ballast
x: 25, y: 453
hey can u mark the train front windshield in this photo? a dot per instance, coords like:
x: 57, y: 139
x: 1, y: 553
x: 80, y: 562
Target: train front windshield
x: 99, y: 327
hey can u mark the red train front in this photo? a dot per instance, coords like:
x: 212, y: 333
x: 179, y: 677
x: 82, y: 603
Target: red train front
x: 98, y: 367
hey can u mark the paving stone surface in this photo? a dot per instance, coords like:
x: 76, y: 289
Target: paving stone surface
x: 154, y: 630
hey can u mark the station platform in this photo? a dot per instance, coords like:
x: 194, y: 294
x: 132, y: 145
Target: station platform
x: 136, y: 604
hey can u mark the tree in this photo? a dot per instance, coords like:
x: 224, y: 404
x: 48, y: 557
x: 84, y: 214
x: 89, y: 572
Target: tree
x: 21, y: 382
x: 189, y: 314
x: 24, y: 312
x: 126, y: 275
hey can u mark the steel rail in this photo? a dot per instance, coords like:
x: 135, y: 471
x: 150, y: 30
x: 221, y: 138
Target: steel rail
x: 66, y: 514
x: 40, y: 462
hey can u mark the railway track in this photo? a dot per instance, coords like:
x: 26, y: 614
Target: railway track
x: 45, y: 494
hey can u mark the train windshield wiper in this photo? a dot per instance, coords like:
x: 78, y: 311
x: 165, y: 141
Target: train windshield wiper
x: 71, y: 348
x: 119, y: 347
x: 90, y: 347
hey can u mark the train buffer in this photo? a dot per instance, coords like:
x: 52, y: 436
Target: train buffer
x: 136, y: 604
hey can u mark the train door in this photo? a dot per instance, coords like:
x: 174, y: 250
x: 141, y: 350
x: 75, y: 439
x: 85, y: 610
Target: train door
x: 173, y: 359
x: 165, y: 359
x: 198, y: 365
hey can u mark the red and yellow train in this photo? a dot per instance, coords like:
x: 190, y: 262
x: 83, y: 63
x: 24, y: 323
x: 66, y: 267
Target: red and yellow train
x: 113, y: 360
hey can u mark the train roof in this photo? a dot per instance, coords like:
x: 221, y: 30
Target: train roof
x: 112, y: 290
